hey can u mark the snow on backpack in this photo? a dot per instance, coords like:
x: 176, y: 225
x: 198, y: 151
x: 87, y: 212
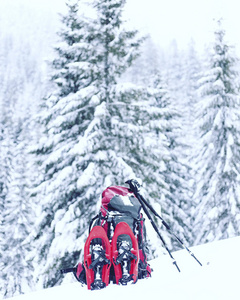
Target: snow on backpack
x: 115, y: 249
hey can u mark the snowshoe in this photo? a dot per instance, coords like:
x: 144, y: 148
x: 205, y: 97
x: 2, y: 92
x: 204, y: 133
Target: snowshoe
x: 97, y: 259
x: 125, y: 254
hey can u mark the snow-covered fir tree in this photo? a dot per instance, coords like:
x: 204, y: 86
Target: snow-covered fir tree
x: 147, y: 64
x: 16, y: 208
x: 217, y: 193
x: 173, y: 73
x: 21, y: 86
x: 175, y: 203
x: 175, y: 196
x: 11, y: 88
x: 65, y: 116
x: 4, y: 180
x: 18, y: 217
x: 2, y: 171
x: 75, y: 129
x: 98, y: 132
x: 192, y: 67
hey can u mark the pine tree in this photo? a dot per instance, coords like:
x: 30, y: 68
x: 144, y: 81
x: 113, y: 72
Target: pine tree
x: 65, y: 116
x: 17, y: 271
x: 217, y: 193
x: 74, y: 113
x: 192, y: 70
x: 191, y: 76
x: 147, y: 64
x: 175, y: 202
x: 4, y: 178
x: 174, y: 71
x: 98, y: 132
x: 19, y: 77
x: 174, y: 197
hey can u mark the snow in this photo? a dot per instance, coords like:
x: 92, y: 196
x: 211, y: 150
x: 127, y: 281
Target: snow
x: 217, y: 279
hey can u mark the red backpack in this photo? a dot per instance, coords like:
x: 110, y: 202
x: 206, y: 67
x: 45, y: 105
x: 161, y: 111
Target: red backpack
x: 115, y: 249
x: 116, y: 246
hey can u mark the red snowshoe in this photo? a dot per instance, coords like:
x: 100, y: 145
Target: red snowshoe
x: 97, y: 259
x: 125, y: 254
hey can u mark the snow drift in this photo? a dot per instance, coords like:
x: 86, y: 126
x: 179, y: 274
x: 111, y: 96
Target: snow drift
x: 217, y: 279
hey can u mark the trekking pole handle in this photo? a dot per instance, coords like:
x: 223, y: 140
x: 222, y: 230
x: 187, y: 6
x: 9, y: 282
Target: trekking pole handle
x: 134, y: 185
x: 166, y: 225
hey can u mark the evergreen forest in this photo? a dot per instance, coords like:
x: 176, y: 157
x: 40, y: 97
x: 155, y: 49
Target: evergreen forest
x: 102, y: 105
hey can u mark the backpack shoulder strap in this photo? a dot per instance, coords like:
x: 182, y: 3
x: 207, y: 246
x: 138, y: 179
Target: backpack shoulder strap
x: 96, y: 220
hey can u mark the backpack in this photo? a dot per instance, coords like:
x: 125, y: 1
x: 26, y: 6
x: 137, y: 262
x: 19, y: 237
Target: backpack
x: 116, y: 248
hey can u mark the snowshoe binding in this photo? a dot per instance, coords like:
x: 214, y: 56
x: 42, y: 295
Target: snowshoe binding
x: 97, y: 259
x: 125, y: 254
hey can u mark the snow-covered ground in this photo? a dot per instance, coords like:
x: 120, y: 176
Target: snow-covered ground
x: 217, y: 279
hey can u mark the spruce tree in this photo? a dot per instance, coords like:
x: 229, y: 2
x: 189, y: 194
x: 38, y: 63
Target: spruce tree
x: 173, y: 73
x: 65, y: 115
x: 192, y: 69
x: 4, y: 172
x: 217, y: 193
x: 99, y: 132
x: 20, y: 88
x: 175, y: 202
x: 75, y: 154
x: 18, y: 217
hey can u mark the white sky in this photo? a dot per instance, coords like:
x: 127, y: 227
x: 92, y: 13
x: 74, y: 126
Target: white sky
x: 183, y: 19
x: 165, y: 19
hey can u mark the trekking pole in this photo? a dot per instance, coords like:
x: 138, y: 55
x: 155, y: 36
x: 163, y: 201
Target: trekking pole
x: 135, y: 187
x: 169, y: 229
x: 153, y: 224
